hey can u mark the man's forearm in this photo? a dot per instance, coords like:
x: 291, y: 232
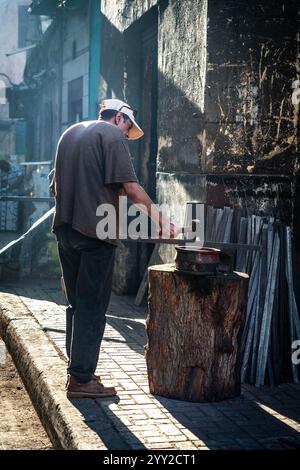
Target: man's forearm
x: 139, y: 196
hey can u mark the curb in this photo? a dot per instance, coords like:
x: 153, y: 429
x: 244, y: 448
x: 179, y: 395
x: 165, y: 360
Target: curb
x: 43, y: 373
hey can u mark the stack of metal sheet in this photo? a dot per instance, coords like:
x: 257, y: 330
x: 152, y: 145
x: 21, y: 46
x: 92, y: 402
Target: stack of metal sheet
x: 272, y: 321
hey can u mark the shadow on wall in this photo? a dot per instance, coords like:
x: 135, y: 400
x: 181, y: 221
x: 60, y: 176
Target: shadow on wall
x: 252, y: 121
x: 235, y: 135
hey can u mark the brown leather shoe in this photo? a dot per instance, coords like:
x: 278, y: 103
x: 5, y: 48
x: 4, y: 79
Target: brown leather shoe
x: 91, y: 389
x: 94, y: 377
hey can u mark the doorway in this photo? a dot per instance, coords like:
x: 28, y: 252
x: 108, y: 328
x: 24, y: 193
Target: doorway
x: 141, y: 90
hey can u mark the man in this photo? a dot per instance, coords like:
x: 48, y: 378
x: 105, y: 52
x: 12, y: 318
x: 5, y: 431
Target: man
x: 92, y: 166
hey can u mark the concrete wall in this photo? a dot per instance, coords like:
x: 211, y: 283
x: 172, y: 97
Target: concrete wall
x: 250, y: 122
x: 233, y: 114
x: 227, y: 128
x: 123, y: 13
x: 227, y: 73
x: 182, y: 65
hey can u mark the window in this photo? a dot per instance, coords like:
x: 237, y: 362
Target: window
x: 75, y: 94
x: 74, y: 50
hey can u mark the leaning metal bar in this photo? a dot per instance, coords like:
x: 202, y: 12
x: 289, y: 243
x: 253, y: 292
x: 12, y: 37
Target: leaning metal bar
x: 206, y: 243
x: 36, y: 224
x: 27, y: 198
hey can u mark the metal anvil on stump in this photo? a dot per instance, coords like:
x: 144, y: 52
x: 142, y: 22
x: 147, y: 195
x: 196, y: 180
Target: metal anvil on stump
x: 194, y: 329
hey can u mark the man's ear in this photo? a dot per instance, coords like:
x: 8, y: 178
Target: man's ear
x: 118, y: 118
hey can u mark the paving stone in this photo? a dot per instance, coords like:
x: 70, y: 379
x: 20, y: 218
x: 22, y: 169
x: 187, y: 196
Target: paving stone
x: 141, y: 420
x: 155, y: 413
x: 184, y: 446
x: 158, y: 438
x: 161, y: 446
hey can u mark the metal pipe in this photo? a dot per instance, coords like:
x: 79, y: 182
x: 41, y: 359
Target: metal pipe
x: 27, y: 198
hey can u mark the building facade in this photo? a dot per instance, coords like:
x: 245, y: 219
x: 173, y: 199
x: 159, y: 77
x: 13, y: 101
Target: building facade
x: 216, y: 86
x: 18, y: 33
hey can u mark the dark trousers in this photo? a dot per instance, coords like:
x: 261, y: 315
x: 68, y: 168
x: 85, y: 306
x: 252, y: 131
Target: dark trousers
x: 87, y: 267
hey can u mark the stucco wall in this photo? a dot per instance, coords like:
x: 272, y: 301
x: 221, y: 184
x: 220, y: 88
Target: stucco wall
x: 250, y: 123
x: 122, y: 13
x: 227, y: 127
x: 181, y: 65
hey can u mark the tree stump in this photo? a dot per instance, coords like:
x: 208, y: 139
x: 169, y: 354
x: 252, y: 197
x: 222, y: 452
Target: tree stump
x: 194, y: 332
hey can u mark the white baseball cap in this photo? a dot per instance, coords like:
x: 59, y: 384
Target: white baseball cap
x: 118, y: 105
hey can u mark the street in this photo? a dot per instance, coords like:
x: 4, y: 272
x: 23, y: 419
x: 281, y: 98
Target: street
x: 260, y: 418
x: 20, y: 426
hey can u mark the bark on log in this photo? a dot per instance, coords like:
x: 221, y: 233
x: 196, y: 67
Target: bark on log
x: 194, y: 332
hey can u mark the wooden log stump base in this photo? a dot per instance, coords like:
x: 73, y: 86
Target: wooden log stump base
x: 194, y: 330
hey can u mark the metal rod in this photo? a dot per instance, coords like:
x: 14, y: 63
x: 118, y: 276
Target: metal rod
x: 289, y: 278
x: 208, y: 244
x: 267, y: 315
x: 36, y: 224
x: 27, y: 198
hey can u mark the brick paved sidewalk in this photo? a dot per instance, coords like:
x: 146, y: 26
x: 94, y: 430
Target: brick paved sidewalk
x: 265, y: 418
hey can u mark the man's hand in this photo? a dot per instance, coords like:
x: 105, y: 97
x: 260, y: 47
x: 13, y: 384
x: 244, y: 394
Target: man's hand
x: 175, y: 230
x: 169, y: 230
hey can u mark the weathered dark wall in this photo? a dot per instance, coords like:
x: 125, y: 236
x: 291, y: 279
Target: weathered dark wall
x: 258, y: 193
x: 296, y: 237
x: 250, y: 127
x: 227, y: 128
x: 246, y: 123
x: 250, y: 123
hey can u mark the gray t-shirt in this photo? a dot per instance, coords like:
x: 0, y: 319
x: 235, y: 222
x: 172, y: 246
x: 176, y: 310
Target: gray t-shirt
x: 92, y: 161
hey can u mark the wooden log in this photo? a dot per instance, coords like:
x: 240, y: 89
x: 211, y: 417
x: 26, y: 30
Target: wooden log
x: 194, y: 330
